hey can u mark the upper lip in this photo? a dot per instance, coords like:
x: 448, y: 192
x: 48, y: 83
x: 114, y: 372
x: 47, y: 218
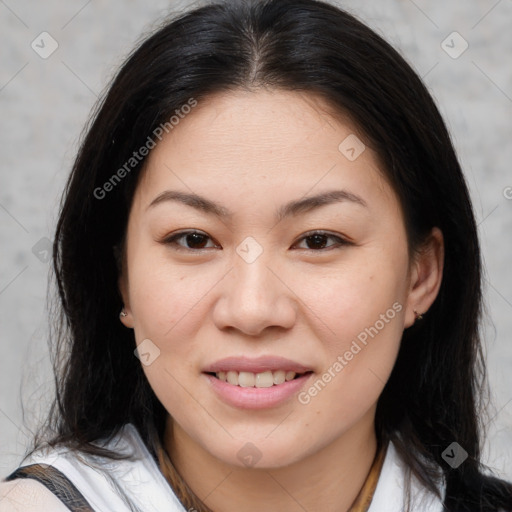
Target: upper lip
x: 255, y: 365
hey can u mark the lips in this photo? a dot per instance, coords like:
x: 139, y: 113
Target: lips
x: 256, y: 365
x: 256, y: 383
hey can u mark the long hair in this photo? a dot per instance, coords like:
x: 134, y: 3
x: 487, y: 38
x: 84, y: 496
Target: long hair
x: 434, y: 394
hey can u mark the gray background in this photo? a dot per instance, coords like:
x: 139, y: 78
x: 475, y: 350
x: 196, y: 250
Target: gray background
x: 45, y: 103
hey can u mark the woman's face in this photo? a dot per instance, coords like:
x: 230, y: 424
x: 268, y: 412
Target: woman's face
x: 300, y: 265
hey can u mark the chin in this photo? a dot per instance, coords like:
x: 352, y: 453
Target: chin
x: 262, y: 454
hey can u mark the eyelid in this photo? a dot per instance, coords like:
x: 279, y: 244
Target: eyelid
x: 342, y: 240
x: 171, y: 239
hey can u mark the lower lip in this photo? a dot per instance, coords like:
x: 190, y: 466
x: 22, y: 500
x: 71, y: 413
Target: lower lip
x: 256, y: 398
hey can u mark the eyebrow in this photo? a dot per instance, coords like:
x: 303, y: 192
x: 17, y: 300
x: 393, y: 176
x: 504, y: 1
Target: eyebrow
x: 293, y: 208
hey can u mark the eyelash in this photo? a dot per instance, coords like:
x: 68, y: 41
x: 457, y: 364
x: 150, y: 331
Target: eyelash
x: 172, y: 240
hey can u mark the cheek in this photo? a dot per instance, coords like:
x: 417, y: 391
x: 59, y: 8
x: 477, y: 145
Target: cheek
x: 165, y: 297
x: 168, y: 310
x: 359, y: 316
x: 368, y: 289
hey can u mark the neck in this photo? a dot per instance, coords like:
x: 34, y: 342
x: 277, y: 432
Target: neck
x: 328, y: 480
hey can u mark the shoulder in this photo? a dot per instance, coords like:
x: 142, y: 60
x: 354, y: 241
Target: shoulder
x: 391, y: 491
x: 392, y: 485
x: 27, y: 495
x: 132, y: 483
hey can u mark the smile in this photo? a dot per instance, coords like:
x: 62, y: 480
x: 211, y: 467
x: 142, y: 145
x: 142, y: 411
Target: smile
x: 265, y: 379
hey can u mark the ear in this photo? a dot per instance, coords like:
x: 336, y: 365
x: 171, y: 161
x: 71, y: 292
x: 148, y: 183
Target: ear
x: 426, y: 276
x: 122, y: 284
x: 123, y: 290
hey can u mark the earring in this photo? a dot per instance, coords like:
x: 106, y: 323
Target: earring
x: 417, y: 316
x: 123, y: 313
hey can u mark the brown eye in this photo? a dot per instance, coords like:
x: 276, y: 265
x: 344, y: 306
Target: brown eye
x: 316, y: 241
x: 195, y: 240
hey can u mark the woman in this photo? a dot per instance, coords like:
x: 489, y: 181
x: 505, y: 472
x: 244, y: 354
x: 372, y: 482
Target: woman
x: 267, y: 211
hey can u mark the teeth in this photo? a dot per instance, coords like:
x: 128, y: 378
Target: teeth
x: 246, y: 379
x: 232, y: 378
x: 289, y: 375
x: 279, y: 376
x: 264, y: 380
x: 260, y: 380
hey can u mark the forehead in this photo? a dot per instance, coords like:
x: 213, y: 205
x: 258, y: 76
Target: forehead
x: 276, y: 121
x: 244, y: 141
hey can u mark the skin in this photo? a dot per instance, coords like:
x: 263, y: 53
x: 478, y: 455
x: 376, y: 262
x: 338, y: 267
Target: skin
x: 252, y: 151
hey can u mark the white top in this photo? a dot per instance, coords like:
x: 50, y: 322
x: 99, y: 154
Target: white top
x: 147, y: 489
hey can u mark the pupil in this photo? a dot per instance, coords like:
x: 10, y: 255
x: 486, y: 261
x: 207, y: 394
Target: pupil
x: 197, y: 236
x: 194, y: 239
x: 318, y: 240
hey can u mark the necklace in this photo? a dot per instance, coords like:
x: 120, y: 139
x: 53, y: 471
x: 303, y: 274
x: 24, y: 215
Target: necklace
x: 190, y: 501
x: 364, y: 498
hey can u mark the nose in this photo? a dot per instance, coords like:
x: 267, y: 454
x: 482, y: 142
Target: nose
x: 254, y: 296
